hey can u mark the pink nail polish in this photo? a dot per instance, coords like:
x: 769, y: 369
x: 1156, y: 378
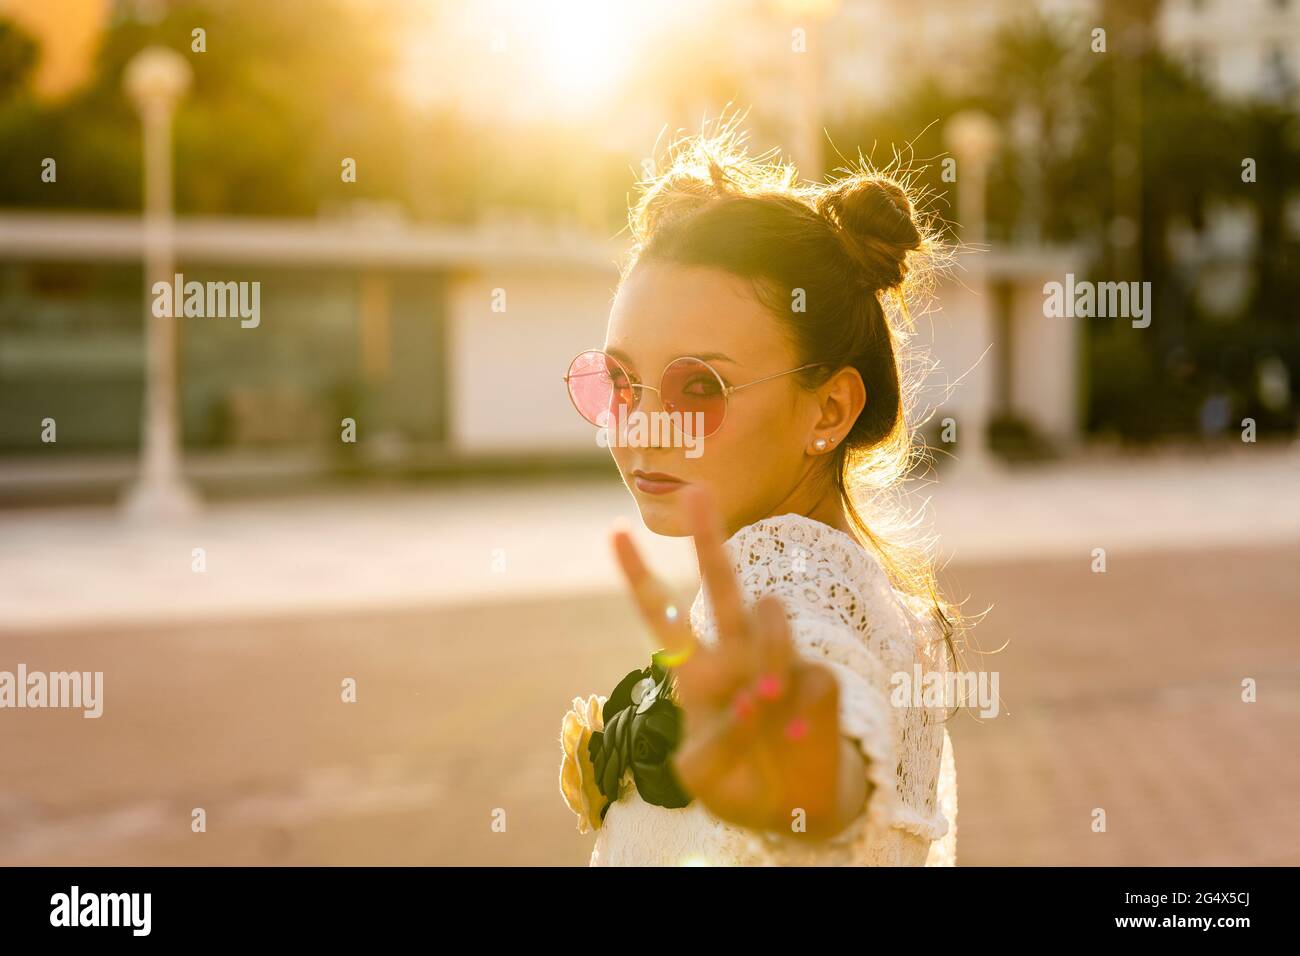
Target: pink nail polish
x: 743, y: 706
x: 796, y: 729
x: 769, y: 687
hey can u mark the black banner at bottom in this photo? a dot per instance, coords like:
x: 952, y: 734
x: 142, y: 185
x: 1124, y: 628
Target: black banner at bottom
x: 330, y: 905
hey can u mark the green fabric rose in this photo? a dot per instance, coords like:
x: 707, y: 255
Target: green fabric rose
x: 643, y: 727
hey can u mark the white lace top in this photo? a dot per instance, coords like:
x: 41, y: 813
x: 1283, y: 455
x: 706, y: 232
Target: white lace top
x: 843, y: 613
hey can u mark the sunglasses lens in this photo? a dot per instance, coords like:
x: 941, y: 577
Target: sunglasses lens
x: 598, y: 386
x: 694, y: 389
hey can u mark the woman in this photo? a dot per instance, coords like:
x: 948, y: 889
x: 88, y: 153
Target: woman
x: 766, y: 731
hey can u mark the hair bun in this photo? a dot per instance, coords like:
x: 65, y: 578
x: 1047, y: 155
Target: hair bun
x: 877, y: 224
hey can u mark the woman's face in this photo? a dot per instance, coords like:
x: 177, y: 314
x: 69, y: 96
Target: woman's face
x: 757, y: 464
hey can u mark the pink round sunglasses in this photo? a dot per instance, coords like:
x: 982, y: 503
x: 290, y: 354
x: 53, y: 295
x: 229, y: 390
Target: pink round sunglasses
x: 601, y: 388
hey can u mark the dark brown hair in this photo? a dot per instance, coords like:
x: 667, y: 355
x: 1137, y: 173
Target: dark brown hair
x: 852, y: 246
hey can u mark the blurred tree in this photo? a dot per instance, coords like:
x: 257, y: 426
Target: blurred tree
x: 1067, y: 151
x: 1031, y: 82
x: 278, y: 101
x: 18, y: 54
x: 1191, y: 150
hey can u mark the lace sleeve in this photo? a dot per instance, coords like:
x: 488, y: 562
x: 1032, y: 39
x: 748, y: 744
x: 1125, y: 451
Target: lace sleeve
x: 838, y: 616
x: 864, y: 719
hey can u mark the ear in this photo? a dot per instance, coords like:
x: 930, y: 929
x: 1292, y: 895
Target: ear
x: 841, y: 400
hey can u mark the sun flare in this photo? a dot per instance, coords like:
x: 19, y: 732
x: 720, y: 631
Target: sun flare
x: 535, y: 59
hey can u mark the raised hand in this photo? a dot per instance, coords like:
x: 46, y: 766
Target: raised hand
x: 762, y: 745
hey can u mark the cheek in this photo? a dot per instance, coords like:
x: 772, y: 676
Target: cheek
x: 764, y: 427
x: 758, y: 450
x: 622, y: 458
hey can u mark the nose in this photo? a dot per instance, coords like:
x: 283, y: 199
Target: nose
x: 641, y: 396
x: 656, y: 436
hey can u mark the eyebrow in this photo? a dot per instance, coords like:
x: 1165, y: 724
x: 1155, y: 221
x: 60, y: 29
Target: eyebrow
x: 703, y: 356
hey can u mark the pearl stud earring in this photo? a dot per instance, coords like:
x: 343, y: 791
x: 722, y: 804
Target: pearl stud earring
x: 820, y: 444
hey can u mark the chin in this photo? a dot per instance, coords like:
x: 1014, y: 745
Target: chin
x: 662, y: 516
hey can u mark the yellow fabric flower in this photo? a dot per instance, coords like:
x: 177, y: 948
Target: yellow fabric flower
x: 577, y: 775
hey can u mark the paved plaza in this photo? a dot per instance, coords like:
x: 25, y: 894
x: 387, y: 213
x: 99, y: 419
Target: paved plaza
x: 1121, y: 691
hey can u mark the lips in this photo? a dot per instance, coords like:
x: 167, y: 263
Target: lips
x: 656, y: 482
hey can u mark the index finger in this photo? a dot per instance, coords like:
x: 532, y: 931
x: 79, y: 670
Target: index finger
x: 654, y: 601
x: 715, y: 568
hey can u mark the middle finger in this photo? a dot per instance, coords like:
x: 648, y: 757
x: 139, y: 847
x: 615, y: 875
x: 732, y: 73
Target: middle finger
x: 720, y: 585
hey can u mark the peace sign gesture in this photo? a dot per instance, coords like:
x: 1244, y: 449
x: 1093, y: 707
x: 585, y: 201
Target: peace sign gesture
x: 761, y: 737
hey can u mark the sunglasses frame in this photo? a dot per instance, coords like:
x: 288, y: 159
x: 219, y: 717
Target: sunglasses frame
x: 727, y: 390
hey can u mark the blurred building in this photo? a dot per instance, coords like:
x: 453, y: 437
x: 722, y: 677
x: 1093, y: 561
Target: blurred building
x: 1242, y: 48
x: 446, y: 346
x: 437, y: 342
x: 876, y: 48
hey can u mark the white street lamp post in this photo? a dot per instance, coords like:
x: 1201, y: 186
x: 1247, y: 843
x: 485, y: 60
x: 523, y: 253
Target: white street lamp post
x: 973, y: 137
x: 155, y: 80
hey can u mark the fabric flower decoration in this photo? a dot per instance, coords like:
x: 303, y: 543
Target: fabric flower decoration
x: 578, y: 782
x: 642, y: 726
